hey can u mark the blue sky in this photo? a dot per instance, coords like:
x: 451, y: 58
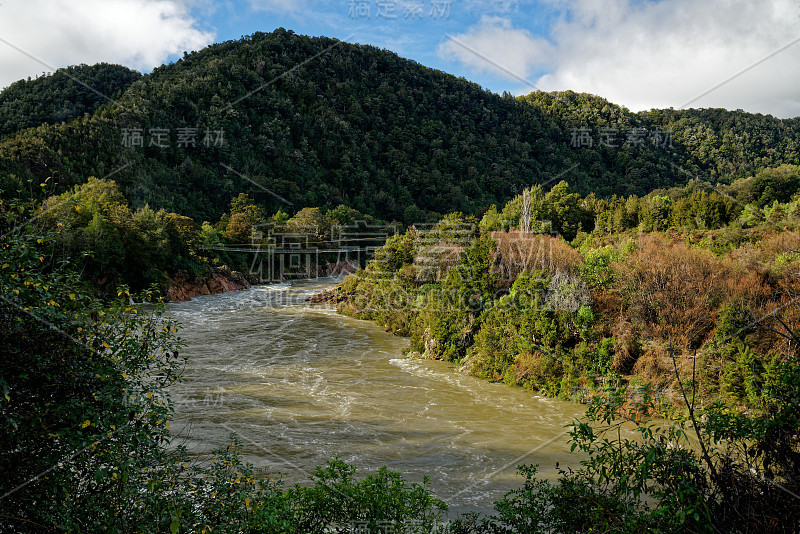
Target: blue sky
x: 736, y: 54
x: 413, y: 29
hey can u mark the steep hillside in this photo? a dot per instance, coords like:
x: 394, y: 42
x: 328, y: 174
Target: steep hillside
x: 297, y: 121
x: 353, y: 125
x: 62, y: 96
x: 720, y: 145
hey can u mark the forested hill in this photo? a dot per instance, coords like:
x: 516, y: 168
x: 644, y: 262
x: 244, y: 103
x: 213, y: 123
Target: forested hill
x: 316, y: 122
x: 62, y: 96
x: 721, y: 144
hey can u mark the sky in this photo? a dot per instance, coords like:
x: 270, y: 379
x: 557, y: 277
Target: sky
x: 641, y: 54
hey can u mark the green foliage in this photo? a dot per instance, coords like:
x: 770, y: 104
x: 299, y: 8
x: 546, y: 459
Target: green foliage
x: 770, y: 185
x: 210, y: 236
x: 85, y: 399
x: 313, y: 222
x: 280, y: 217
x: 735, y: 322
x: 238, y: 230
x: 491, y: 220
x: 95, y: 228
x: 244, y: 217
x: 474, y: 265
x: 604, y: 355
x: 344, y: 216
x: 323, y: 147
x: 659, y: 215
x: 596, y: 270
x: 729, y: 144
x: 453, y: 228
x: 397, y: 252
x: 737, y: 473
x: 338, y: 502
x: 521, y: 340
x: 65, y: 95
x: 564, y: 211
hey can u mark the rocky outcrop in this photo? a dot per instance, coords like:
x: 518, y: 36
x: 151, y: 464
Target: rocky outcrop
x: 335, y: 295
x: 221, y: 279
x: 330, y: 296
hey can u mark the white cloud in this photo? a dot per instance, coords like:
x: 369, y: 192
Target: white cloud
x: 141, y: 34
x: 646, y: 53
x: 494, y: 45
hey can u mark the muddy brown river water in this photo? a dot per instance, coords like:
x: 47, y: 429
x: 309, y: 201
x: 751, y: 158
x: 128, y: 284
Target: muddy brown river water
x: 299, y: 383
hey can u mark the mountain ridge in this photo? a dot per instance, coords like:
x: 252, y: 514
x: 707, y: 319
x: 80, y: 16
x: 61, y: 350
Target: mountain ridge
x: 311, y: 121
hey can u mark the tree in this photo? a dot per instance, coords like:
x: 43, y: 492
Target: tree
x: 379, y: 500
x: 245, y: 205
x: 312, y: 223
x: 210, y: 236
x: 491, y: 220
x: 525, y: 215
x: 343, y: 216
x: 279, y: 218
x: 239, y: 229
x: 83, y: 392
x: 564, y: 210
x: 398, y: 251
x: 659, y: 214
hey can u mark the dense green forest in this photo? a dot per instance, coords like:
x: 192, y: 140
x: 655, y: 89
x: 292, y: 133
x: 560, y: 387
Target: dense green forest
x: 61, y: 96
x: 297, y: 121
x: 713, y: 144
x: 642, y: 263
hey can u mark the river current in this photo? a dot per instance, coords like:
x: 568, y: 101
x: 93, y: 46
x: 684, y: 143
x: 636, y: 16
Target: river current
x: 300, y: 383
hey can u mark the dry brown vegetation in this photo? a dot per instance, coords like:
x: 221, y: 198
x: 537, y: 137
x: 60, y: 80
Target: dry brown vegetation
x: 670, y: 293
x: 673, y: 290
x: 519, y: 251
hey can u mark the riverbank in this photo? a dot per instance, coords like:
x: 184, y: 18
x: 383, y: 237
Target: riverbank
x: 183, y: 287
x: 219, y: 280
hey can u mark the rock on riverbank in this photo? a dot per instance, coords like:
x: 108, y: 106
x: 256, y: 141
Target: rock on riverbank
x: 221, y: 279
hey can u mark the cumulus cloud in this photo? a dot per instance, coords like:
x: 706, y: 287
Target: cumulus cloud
x: 668, y: 53
x: 141, y: 34
x: 494, y: 45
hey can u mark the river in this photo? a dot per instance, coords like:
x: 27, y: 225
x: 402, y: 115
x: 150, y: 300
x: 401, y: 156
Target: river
x: 299, y: 383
